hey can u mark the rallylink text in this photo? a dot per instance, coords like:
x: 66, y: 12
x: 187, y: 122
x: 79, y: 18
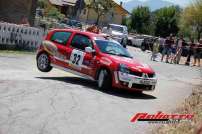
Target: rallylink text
x: 161, y: 117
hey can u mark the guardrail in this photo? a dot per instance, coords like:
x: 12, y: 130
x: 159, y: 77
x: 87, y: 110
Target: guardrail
x: 20, y: 36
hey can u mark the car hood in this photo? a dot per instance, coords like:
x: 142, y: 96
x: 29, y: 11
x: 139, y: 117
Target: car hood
x: 133, y: 64
x: 116, y: 33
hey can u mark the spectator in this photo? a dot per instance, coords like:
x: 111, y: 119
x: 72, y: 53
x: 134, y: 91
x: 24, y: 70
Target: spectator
x: 161, y: 41
x: 179, y: 44
x: 93, y: 29
x: 173, y: 51
x: 167, y: 48
x: 198, y: 53
x: 190, y: 52
x: 155, y: 49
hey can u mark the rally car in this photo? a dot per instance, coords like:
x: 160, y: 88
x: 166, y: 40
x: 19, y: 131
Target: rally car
x: 94, y: 57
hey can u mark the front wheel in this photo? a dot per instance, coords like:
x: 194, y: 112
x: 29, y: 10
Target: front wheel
x: 104, y: 80
x: 130, y: 43
x: 143, y: 47
x: 43, y: 63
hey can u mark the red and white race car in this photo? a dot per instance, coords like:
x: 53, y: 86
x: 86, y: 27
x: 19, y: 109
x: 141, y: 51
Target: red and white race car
x: 94, y: 57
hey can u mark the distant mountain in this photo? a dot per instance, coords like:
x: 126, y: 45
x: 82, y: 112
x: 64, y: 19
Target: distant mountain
x: 152, y: 4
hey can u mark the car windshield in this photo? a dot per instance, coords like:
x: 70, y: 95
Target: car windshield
x: 116, y: 28
x: 112, y: 48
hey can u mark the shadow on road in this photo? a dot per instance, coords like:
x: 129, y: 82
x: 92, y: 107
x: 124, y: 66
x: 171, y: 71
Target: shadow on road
x: 92, y: 85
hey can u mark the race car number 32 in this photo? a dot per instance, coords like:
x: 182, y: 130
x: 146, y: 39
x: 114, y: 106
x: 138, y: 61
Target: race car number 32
x: 77, y: 57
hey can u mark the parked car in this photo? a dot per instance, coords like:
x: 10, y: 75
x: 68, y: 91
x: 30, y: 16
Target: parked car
x: 119, y: 33
x: 94, y: 57
x: 72, y: 23
x: 145, y: 42
x: 135, y: 41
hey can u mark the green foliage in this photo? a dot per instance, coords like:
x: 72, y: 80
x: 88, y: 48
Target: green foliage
x: 191, y: 19
x: 53, y: 12
x: 140, y: 20
x: 41, y: 3
x: 50, y: 10
x: 166, y: 21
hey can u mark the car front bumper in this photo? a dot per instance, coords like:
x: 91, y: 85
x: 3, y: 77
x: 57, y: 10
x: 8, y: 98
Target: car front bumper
x: 128, y: 81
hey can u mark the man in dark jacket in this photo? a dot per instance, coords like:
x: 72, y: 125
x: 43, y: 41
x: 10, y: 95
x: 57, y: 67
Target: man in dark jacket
x: 192, y: 46
x: 198, y: 53
x: 167, y: 48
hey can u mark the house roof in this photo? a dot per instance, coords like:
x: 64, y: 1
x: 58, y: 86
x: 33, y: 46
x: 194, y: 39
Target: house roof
x: 120, y: 9
x: 63, y: 2
x: 117, y: 6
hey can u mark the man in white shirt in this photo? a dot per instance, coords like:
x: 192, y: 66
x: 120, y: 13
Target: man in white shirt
x: 180, y: 44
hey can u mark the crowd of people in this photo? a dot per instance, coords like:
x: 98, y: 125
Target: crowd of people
x: 172, y: 49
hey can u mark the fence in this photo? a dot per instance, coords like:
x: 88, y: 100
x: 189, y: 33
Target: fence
x: 19, y: 36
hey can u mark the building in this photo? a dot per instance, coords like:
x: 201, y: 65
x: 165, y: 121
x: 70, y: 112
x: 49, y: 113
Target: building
x: 76, y: 9
x: 14, y: 11
x: 68, y: 7
x: 116, y: 15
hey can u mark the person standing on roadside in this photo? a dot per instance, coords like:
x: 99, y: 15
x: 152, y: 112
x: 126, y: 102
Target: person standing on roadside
x: 173, y: 52
x: 167, y: 48
x: 192, y: 45
x: 180, y: 43
x: 155, y: 49
x: 93, y: 29
x: 198, y: 53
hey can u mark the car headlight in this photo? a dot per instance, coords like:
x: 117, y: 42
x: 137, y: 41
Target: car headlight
x: 124, y: 68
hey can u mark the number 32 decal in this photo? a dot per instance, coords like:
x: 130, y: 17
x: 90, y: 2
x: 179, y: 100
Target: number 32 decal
x: 77, y: 57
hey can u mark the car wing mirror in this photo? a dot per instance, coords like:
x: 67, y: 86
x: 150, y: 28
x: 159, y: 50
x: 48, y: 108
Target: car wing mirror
x: 89, y: 50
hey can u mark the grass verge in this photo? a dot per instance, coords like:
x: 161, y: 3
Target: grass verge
x: 192, y: 105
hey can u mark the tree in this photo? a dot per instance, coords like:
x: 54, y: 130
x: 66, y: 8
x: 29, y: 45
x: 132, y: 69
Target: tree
x: 101, y: 7
x: 140, y: 20
x: 79, y: 6
x: 166, y: 21
x: 192, y: 18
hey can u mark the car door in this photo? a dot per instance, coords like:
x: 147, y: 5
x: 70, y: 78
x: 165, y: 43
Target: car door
x: 79, y: 59
x: 60, y: 39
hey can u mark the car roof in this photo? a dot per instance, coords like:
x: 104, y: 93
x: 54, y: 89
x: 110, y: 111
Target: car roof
x: 77, y: 31
x: 117, y: 25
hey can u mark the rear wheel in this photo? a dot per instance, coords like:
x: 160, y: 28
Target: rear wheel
x: 104, y: 80
x: 43, y: 63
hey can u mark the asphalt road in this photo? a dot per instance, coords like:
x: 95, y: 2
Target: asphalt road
x: 32, y: 102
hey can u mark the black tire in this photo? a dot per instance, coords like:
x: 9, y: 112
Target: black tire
x: 124, y: 42
x: 130, y: 43
x: 104, y: 80
x: 143, y: 47
x: 43, y: 62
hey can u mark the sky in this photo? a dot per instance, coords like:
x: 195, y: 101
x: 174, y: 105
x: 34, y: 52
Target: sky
x: 179, y: 2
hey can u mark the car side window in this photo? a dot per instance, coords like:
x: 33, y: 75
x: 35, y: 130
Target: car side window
x: 61, y: 37
x: 81, y: 42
